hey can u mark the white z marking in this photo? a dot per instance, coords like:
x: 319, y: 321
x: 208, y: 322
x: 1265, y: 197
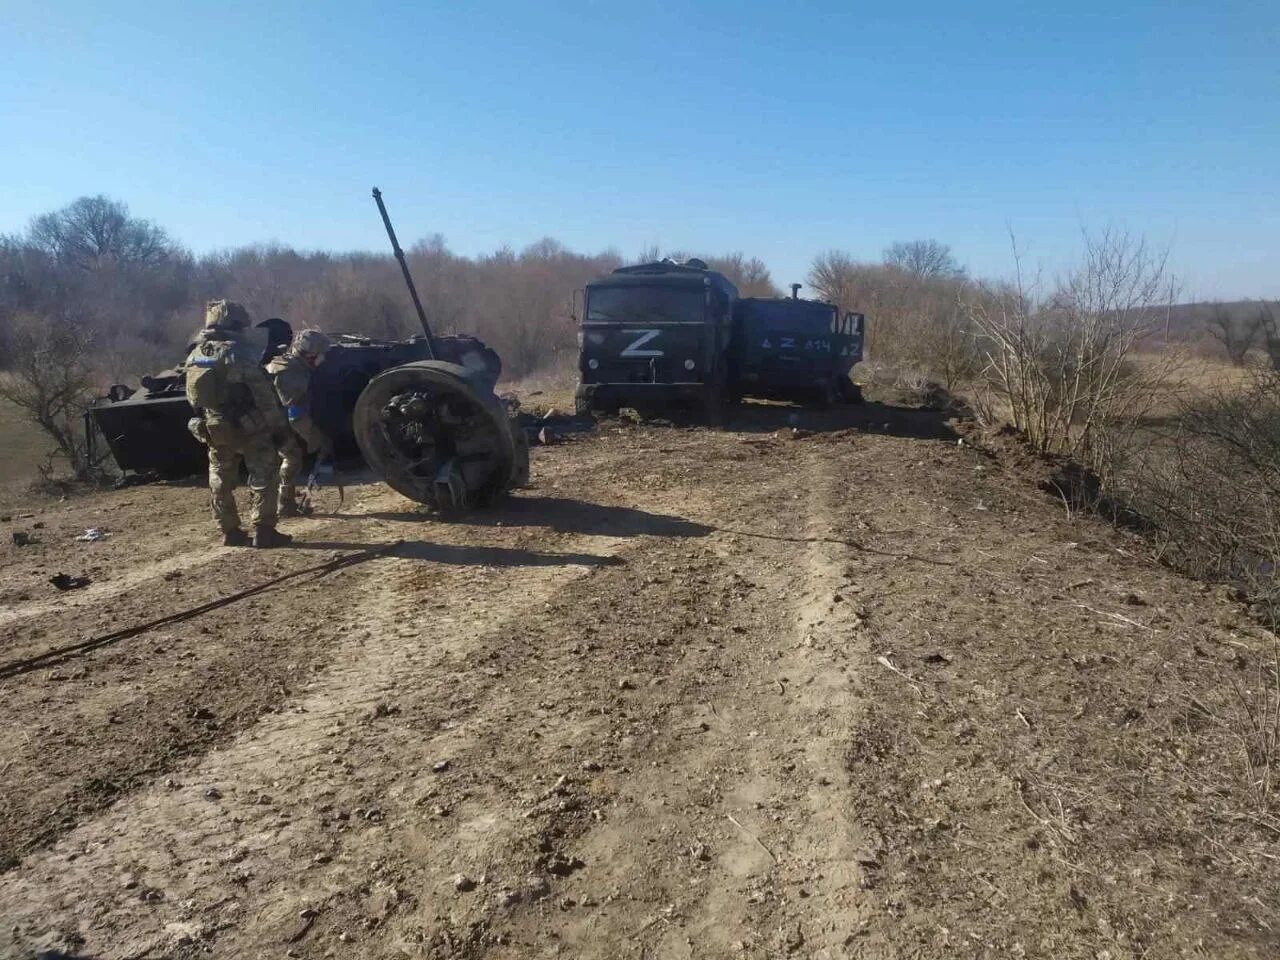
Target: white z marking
x: 634, y: 349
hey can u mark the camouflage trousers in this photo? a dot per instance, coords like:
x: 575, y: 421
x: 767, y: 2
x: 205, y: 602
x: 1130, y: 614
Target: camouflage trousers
x: 293, y: 457
x: 304, y: 437
x: 229, y: 446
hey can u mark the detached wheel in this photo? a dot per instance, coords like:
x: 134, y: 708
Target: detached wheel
x: 435, y: 432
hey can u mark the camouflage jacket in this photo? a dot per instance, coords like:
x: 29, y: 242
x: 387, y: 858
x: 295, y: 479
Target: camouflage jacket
x: 292, y: 378
x: 247, y: 397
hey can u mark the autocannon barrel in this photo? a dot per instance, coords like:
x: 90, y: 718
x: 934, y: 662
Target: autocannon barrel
x: 404, y: 268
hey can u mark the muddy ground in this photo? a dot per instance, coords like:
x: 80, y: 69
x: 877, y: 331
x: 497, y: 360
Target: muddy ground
x: 858, y: 692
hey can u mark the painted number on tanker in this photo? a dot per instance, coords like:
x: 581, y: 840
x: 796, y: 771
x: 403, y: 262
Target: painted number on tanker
x: 637, y: 346
x: 791, y: 343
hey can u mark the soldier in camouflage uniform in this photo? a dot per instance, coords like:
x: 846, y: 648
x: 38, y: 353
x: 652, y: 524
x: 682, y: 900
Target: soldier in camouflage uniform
x: 291, y: 373
x: 239, y: 418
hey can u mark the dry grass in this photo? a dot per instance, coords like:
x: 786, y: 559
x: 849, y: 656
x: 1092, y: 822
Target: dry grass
x: 25, y: 450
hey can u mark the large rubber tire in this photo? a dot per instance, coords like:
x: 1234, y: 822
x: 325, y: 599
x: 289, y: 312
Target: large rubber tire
x: 488, y: 440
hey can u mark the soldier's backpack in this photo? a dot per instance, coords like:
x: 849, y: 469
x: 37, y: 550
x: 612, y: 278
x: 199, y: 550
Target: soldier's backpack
x: 210, y: 384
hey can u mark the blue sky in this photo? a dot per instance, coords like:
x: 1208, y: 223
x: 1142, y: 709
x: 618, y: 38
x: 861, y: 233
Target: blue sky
x: 777, y: 129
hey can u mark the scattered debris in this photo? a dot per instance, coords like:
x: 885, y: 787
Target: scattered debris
x: 760, y: 843
x: 440, y: 766
x: 65, y: 581
x: 93, y: 535
x: 463, y: 884
x: 561, y: 866
x: 23, y: 539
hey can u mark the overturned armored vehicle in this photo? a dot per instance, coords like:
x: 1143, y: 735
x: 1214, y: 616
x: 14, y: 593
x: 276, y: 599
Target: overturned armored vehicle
x: 420, y: 412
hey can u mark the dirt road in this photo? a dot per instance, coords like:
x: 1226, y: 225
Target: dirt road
x: 861, y: 692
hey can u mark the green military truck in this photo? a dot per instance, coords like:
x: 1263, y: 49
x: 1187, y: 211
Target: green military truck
x: 656, y: 335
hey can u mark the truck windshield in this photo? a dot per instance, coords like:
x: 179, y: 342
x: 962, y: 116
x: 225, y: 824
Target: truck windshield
x: 796, y: 316
x: 644, y: 304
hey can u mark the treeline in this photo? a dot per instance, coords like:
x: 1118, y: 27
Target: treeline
x: 136, y: 295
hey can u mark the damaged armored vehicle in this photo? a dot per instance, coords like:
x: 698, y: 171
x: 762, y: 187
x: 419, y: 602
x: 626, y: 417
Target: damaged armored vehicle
x: 420, y: 412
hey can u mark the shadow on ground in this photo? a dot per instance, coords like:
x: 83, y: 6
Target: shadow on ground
x: 563, y: 515
x: 465, y: 555
x: 918, y: 423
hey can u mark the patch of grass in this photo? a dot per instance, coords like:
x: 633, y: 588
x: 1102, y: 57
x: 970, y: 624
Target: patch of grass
x: 25, y: 448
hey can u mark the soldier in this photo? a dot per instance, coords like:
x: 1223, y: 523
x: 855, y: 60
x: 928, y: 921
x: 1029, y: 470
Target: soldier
x: 291, y: 374
x: 239, y: 418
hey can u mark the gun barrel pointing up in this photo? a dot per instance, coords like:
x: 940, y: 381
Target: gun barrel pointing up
x: 404, y: 268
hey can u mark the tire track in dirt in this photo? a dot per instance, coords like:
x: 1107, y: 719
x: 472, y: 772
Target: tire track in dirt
x: 195, y: 846
x: 181, y: 840
x: 742, y: 841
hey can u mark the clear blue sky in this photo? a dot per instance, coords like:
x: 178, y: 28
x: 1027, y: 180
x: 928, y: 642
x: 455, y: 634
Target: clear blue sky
x: 778, y: 129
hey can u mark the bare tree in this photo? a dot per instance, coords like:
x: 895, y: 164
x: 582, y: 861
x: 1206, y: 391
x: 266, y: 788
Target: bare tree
x: 1236, y: 336
x: 50, y: 379
x: 834, y: 276
x: 918, y: 331
x: 1270, y: 333
x: 93, y: 231
x: 923, y: 259
x: 1062, y: 367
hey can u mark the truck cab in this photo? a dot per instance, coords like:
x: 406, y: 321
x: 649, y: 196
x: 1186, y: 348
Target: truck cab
x: 795, y: 349
x: 655, y: 335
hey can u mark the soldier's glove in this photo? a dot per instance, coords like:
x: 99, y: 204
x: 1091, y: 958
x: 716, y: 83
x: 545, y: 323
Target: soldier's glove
x: 199, y: 429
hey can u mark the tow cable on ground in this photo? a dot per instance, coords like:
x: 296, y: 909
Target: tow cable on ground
x: 52, y: 657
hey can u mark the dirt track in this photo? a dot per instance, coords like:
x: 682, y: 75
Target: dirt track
x: 695, y: 693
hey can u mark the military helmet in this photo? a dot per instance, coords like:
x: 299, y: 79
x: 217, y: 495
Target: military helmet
x: 311, y: 341
x: 227, y: 314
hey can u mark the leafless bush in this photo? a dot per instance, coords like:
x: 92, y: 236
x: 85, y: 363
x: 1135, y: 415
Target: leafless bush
x: 1210, y: 483
x: 1257, y: 726
x: 1063, y: 366
x: 50, y: 379
x: 1236, y: 334
x: 1270, y: 333
x: 916, y: 314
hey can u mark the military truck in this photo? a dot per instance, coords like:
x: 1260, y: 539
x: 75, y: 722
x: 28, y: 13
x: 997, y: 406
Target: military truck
x: 788, y: 348
x: 655, y: 335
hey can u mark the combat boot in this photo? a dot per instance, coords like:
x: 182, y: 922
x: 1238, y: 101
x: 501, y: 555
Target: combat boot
x: 264, y: 538
x: 236, y: 538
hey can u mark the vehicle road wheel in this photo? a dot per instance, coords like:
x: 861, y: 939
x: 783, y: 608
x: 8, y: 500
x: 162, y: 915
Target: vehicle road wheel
x: 435, y: 432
